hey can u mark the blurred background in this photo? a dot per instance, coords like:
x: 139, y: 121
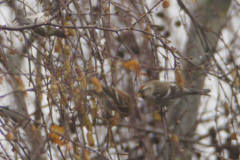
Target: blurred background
x: 50, y: 49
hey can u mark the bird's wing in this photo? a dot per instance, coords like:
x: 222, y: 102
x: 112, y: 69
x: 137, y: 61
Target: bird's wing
x: 112, y: 94
x: 161, y: 90
x: 124, y: 95
x: 119, y: 99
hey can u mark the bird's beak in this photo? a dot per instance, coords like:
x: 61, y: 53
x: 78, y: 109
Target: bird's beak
x: 139, y: 95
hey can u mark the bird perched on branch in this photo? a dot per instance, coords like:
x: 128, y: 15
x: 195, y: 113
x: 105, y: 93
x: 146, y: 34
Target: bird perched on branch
x: 44, y: 30
x: 166, y: 93
x: 116, y: 99
x: 112, y: 98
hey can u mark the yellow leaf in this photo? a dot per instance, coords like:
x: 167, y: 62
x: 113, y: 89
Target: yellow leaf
x: 157, y: 116
x: 9, y: 136
x: 96, y: 83
x: 166, y: 4
x: 55, y: 130
x: 179, y: 78
x: 90, y: 139
x: 133, y: 65
x: 174, y: 138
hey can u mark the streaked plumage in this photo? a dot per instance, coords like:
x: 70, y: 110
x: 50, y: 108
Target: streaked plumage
x: 166, y: 93
x: 115, y: 99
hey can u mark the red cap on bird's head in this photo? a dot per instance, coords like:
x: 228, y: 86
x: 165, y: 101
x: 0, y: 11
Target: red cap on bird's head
x: 141, y: 87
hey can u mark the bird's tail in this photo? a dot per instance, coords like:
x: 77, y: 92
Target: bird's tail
x: 200, y: 92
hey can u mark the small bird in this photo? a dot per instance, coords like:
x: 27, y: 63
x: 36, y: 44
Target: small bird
x: 115, y: 99
x: 44, y: 30
x: 166, y: 93
x: 111, y: 98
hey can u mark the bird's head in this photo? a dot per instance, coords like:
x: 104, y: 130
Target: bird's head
x: 143, y: 91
